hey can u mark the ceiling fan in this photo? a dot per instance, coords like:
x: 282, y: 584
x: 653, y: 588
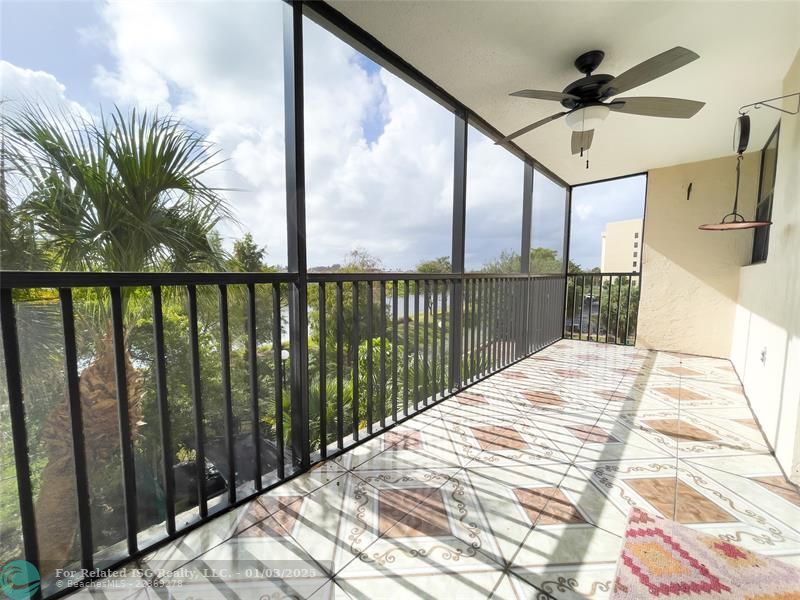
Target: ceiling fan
x: 585, y: 99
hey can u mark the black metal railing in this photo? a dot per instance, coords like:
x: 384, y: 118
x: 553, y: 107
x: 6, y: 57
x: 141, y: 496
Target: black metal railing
x: 602, y: 307
x: 183, y: 381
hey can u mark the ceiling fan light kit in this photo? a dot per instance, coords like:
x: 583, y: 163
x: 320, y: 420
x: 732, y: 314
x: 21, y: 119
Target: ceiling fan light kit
x: 587, y: 118
x: 588, y: 103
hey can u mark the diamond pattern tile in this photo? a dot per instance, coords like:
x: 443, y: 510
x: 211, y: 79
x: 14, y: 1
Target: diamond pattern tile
x: 518, y: 487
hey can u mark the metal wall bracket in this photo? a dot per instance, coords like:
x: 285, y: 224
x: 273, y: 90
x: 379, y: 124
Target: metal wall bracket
x: 764, y: 103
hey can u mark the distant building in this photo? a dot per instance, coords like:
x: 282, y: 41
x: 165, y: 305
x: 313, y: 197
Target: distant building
x: 621, y: 250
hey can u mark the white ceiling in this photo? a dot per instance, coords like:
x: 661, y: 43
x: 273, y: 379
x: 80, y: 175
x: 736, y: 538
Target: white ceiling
x: 479, y: 51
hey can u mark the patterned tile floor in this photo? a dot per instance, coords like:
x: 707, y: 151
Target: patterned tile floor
x: 516, y: 488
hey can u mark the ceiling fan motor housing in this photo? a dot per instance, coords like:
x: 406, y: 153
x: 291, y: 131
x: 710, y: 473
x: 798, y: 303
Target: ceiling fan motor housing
x: 587, y: 89
x: 588, y: 62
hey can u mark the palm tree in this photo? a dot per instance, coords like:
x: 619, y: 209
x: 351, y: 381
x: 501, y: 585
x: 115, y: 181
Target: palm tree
x: 117, y: 193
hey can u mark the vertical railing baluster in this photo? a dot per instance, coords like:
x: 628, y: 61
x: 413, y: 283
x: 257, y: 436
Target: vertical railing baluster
x: 472, y: 329
x: 639, y: 290
x: 435, y: 338
x: 323, y: 373
x: 416, y: 345
x: 19, y: 435
x: 76, y: 426
x: 510, y: 326
x: 515, y: 337
x: 583, y: 301
x: 369, y: 356
x: 340, y: 365
x: 479, y: 341
x: 566, y: 305
x: 126, y: 443
x: 533, y: 303
x: 165, y: 429
x: 534, y: 287
x: 356, y: 374
x: 443, y: 360
x: 506, y: 322
x: 499, y: 289
x: 574, y: 306
x: 591, y: 308
x: 197, y: 404
x: 425, y: 355
x: 619, y: 299
x: 499, y: 311
x: 464, y: 376
x: 517, y: 313
x: 608, y: 308
x: 511, y: 320
x: 253, y: 371
x: 395, y: 293
x: 491, y: 318
x: 628, y: 309
x: 518, y: 339
x: 382, y: 379
x: 277, y: 359
x: 484, y: 321
x: 599, y: 311
x: 406, y: 344
x: 509, y: 310
x: 227, y: 400
x: 540, y: 289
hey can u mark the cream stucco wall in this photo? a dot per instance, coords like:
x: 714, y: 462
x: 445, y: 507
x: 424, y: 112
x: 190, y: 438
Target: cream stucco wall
x: 768, y: 314
x: 690, y: 278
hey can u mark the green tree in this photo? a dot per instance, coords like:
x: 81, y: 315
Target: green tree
x: 247, y: 255
x: 120, y: 193
x: 542, y: 261
x: 437, y: 265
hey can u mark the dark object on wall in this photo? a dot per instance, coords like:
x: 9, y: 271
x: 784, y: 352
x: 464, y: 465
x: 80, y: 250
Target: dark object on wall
x: 741, y: 134
x: 734, y: 219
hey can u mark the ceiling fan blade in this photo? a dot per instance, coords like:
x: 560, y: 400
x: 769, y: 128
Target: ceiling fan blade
x: 544, y: 95
x: 652, y: 68
x: 672, y: 108
x: 582, y: 140
x: 531, y: 127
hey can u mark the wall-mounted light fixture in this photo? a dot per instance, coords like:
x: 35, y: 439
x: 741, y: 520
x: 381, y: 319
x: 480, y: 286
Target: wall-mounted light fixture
x: 734, y: 219
x: 741, y: 137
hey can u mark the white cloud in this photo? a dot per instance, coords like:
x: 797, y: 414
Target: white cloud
x: 583, y: 211
x: 26, y: 85
x: 219, y: 66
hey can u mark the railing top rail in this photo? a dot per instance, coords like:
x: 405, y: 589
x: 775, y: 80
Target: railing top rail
x: 486, y: 275
x: 59, y: 279
x: 326, y: 277
x: 606, y: 274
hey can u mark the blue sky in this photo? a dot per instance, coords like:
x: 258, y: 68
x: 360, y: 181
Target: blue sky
x: 379, y: 153
x: 54, y: 36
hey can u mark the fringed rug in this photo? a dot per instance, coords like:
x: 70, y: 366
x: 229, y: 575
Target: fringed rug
x: 662, y: 559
